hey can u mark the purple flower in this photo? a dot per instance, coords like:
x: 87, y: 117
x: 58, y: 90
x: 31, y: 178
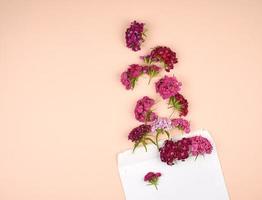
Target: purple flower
x: 161, y: 124
x: 143, y: 111
x: 134, y: 36
x: 200, y: 146
x: 181, y: 124
x: 168, y: 87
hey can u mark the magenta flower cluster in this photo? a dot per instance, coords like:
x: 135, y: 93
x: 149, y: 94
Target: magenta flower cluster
x: 134, y: 71
x: 200, y: 146
x: 143, y: 112
x: 152, y: 178
x: 130, y: 76
x: 134, y: 35
x: 181, y: 124
x: 168, y: 86
x: 173, y: 151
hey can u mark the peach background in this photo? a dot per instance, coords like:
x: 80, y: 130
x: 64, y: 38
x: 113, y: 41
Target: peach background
x: 64, y: 115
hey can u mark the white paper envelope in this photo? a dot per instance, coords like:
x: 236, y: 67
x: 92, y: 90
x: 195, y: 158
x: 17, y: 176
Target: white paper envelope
x: 199, y: 179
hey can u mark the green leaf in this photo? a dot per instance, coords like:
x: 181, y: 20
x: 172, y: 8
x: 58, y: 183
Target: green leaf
x: 135, y: 146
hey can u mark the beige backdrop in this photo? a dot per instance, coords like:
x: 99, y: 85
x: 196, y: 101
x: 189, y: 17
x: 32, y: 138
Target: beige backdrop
x: 64, y: 115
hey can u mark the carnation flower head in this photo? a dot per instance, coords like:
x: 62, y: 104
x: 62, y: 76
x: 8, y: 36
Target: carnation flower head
x: 134, y: 35
x: 152, y: 178
x: 143, y: 112
x: 168, y: 86
x: 139, y: 132
x: 175, y: 150
x: 181, y: 124
x: 164, y: 55
x: 178, y: 102
x: 130, y: 76
x: 200, y: 146
x: 161, y: 123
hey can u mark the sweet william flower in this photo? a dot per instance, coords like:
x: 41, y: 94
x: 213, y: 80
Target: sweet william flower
x: 152, y: 178
x: 163, y: 55
x: 175, y: 150
x: 139, y: 135
x: 179, y: 103
x: 135, y: 35
x: 143, y: 112
x: 130, y: 76
x: 168, y: 86
x: 181, y: 124
x: 200, y: 146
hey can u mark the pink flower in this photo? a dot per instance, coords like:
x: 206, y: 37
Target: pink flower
x: 143, y: 111
x: 181, y: 124
x: 200, y: 146
x: 130, y: 77
x: 152, y: 178
x: 161, y: 123
x: 134, y: 36
x: 164, y: 55
x: 168, y: 87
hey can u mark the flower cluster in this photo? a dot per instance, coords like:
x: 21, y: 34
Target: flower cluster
x: 163, y: 55
x: 139, y: 132
x: 200, y: 146
x: 143, y: 112
x: 181, y: 124
x: 168, y: 87
x: 134, y: 71
x: 161, y: 123
x: 152, y: 178
x: 173, y: 151
x: 130, y: 77
x: 179, y: 103
x: 134, y: 35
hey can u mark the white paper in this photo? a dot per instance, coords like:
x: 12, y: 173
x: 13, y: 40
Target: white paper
x: 199, y: 179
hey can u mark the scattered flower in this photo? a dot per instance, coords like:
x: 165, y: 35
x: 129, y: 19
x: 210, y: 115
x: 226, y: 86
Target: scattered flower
x: 200, y: 146
x: 135, y: 35
x: 178, y: 102
x: 139, y: 135
x: 164, y: 55
x: 143, y: 112
x: 168, y: 86
x: 152, y: 178
x: 130, y: 77
x: 181, y: 124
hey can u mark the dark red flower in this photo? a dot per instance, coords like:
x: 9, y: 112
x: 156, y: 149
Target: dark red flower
x: 164, y: 55
x: 137, y: 133
x: 151, y: 175
x: 178, y: 102
x: 172, y: 151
